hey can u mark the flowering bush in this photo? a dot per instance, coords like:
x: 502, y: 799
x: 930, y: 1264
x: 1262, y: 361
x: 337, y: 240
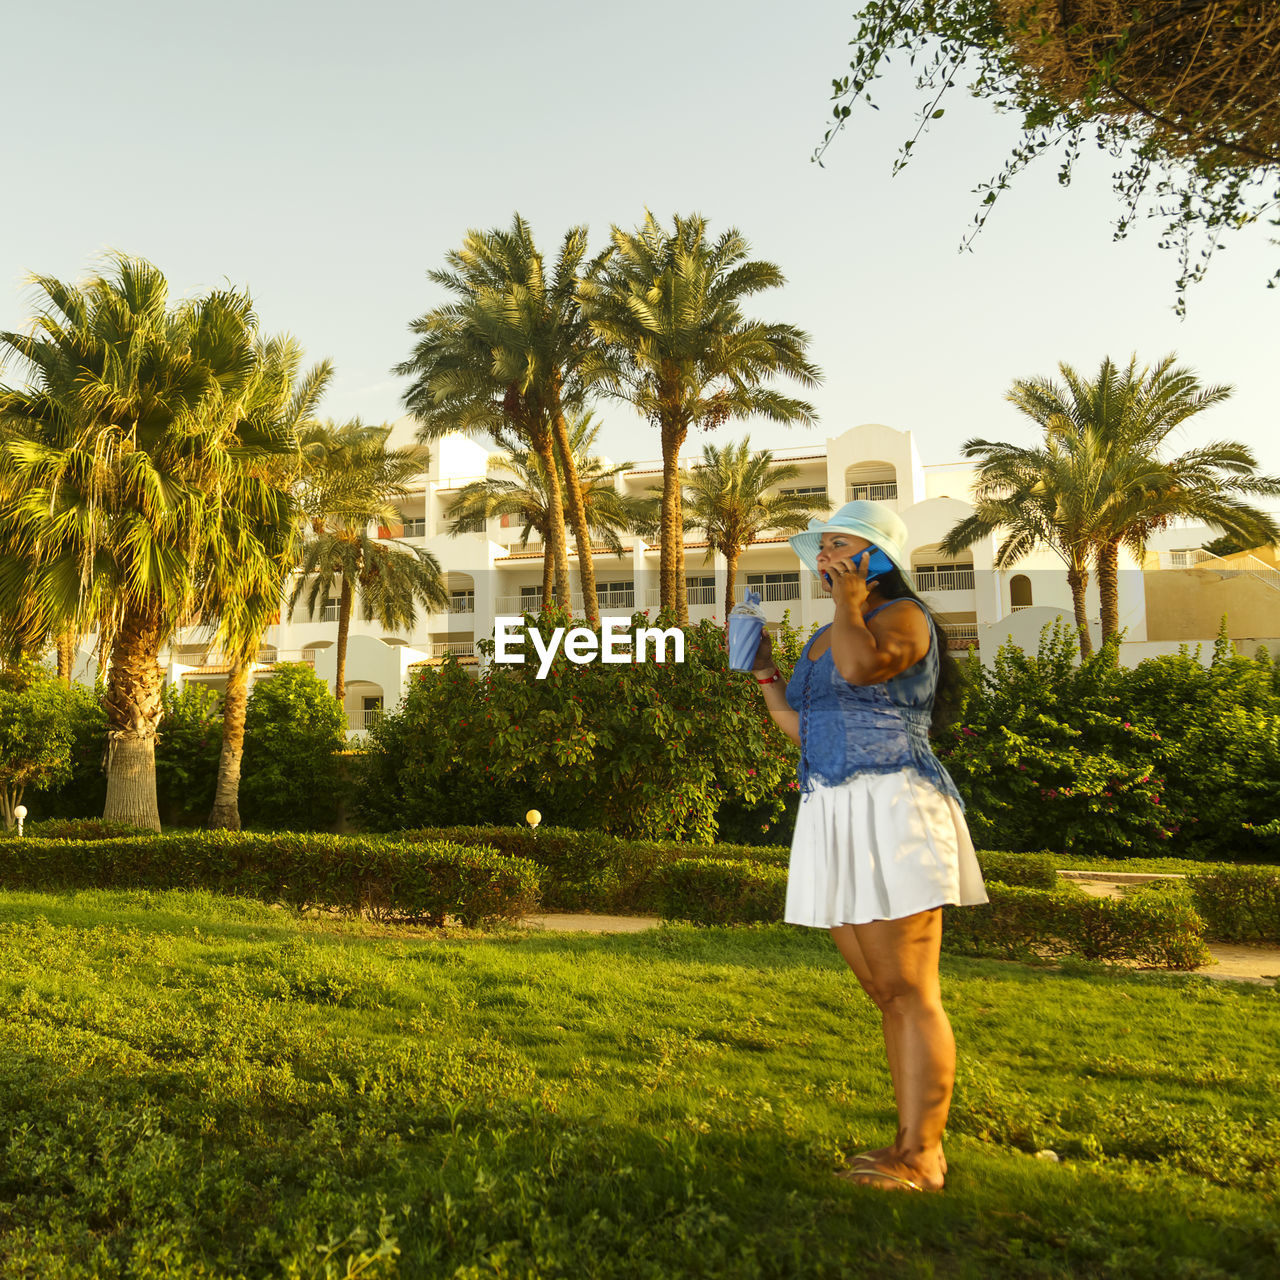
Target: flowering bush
x: 646, y: 749
x: 1169, y: 757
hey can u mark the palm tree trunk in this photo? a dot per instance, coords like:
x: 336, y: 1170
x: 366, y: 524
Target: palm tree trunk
x: 1109, y: 588
x: 344, y: 628
x: 66, y: 655
x: 578, y: 518
x: 225, y: 813
x: 548, y: 569
x: 540, y: 439
x: 1078, y: 581
x: 731, y: 579
x: 675, y: 591
x: 134, y: 684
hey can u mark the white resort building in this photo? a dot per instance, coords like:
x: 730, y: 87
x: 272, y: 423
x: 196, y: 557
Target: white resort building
x: 1178, y: 596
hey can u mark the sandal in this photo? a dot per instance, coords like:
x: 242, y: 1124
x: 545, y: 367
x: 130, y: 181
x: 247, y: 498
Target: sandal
x: 869, y: 1171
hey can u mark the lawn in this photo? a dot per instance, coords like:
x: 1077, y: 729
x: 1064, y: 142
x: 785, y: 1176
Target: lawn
x: 203, y: 1087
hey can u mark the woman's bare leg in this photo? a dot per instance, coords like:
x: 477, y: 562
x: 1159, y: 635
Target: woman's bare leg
x: 897, y: 963
x: 847, y: 944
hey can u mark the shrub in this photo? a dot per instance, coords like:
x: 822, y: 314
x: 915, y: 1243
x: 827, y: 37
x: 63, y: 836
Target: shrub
x: 645, y: 749
x: 589, y: 870
x: 1022, y: 923
x: 84, y: 793
x: 37, y: 733
x: 716, y: 891
x: 1170, y: 757
x: 187, y: 751
x: 352, y: 874
x: 1239, y: 904
x: 290, y: 775
x: 1031, y: 870
x: 83, y: 829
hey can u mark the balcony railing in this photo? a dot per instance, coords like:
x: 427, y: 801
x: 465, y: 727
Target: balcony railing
x: 958, y: 578
x: 509, y: 605
x: 459, y: 648
x: 884, y: 491
x: 961, y: 635
x: 463, y: 602
x: 770, y: 592
x: 329, y: 613
x: 364, y: 719
x: 699, y: 596
x: 214, y: 660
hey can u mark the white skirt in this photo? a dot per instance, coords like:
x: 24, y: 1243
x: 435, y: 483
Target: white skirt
x: 879, y: 846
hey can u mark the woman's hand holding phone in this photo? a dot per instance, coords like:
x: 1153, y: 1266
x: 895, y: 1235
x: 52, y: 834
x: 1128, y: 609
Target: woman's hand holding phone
x: 847, y: 578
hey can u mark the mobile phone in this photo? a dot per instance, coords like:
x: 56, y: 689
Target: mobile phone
x: 879, y: 564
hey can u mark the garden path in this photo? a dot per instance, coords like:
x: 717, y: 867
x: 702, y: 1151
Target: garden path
x: 1233, y: 962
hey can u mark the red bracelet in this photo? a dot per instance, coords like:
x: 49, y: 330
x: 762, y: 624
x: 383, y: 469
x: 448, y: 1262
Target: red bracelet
x: 777, y: 675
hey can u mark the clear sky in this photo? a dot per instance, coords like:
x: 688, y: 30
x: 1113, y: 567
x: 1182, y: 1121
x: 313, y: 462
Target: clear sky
x: 327, y: 155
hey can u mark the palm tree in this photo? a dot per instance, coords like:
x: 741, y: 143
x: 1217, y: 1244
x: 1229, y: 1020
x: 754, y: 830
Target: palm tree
x: 668, y: 306
x: 124, y: 461
x: 1042, y: 497
x: 512, y: 355
x: 243, y: 596
x: 1126, y: 415
x: 727, y: 498
x: 350, y: 480
x: 520, y: 489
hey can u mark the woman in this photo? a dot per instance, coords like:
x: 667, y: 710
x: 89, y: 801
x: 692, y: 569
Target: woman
x: 880, y: 840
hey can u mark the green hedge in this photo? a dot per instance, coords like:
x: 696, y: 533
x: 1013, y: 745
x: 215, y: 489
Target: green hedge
x: 1020, y: 923
x: 717, y: 891
x: 1030, y: 870
x: 80, y: 829
x: 1239, y: 904
x: 352, y: 874
x: 591, y: 871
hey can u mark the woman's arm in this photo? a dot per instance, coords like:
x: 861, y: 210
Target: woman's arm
x: 872, y: 652
x: 775, y: 694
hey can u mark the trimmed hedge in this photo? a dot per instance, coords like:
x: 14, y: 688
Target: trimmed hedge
x: 81, y: 829
x: 1030, y: 870
x: 717, y: 891
x: 1158, y: 929
x: 1239, y: 904
x: 357, y: 875
x: 591, y: 871
x: 1018, y: 923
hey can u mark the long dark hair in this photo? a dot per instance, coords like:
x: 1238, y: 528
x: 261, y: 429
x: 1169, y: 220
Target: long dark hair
x: 948, y: 696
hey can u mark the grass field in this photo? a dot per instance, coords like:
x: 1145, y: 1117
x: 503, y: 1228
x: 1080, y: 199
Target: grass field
x: 200, y: 1087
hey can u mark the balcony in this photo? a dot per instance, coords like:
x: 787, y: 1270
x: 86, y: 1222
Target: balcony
x: 216, y: 662
x: 459, y: 648
x: 509, y: 605
x: 365, y: 719
x: 772, y: 592
x: 697, y: 596
x: 944, y: 577
x: 961, y: 635
x: 462, y: 602
x: 329, y: 612
x: 885, y: 491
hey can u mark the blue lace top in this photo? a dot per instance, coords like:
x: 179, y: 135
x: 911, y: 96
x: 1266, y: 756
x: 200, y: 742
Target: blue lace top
x: 846, y: 729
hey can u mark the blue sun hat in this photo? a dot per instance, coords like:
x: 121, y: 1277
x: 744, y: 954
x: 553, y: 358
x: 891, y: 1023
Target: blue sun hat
x: 880, y: 525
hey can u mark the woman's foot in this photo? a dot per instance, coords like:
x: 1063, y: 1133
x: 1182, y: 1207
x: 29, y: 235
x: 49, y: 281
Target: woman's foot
x: 891, y: 1153
x: 891, y: 1174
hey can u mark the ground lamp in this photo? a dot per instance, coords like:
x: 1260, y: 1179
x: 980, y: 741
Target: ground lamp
x: 20, y: 812
x: 533, y: 817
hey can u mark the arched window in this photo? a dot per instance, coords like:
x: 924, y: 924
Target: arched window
x: 1020, y: 591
